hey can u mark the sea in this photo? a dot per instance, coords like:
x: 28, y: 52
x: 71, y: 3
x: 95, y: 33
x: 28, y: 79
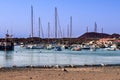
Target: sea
x: 22, y: 57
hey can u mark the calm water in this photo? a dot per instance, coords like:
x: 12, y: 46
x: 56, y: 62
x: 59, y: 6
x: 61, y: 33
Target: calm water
x: 25, y: 57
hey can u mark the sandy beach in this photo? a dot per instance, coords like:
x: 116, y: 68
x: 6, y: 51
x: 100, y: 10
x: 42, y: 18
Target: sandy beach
x: 82, y: 73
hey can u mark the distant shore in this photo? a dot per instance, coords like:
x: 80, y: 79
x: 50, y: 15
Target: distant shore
x: 68, y: 73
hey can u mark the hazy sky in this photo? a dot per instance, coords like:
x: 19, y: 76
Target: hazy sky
x: 15, y: 15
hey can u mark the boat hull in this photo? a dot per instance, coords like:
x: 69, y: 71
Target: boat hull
x: 6, y: 48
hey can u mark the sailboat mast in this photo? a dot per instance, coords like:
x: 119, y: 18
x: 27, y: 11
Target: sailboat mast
x: 31, y: 21
x: 102, y: 30
x: 70, y: 26
x: 55, y: 22
x: 48, y: 30
x: 63, y: 34
x: 95, y: 28
x: 102, y: 33
x: 87, y: 29
x: 39, y: 26
x: 68, y: 33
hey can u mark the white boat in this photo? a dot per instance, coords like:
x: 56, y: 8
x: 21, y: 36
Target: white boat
x: 110, y: 49
x: 34, y: 46
x: 76, y: 48
x: 49, y: 47
x: 93, y: 48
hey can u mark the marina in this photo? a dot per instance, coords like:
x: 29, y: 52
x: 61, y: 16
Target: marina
x: 59, y: 40
x: 22, y: 57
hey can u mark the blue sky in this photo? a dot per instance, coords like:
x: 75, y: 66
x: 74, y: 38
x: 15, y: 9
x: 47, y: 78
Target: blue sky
x: 15, y: 16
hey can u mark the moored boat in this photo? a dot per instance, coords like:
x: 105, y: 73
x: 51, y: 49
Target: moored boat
x: 49, y: 47
x: 86, y: 47
x: 76, y: 48
x: 34, y: 46
x: 57, y: 48
x: 7, y: 44
x: 110, y: 49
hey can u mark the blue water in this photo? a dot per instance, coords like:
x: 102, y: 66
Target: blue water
x: 39, y: 57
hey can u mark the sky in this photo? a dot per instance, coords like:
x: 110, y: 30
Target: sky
x: 15, y: 16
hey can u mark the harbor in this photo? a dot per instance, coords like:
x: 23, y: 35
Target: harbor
x: 59, y: 40
x: 22, y: 57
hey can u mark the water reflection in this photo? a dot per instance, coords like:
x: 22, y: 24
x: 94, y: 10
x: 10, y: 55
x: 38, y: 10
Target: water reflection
x: 8, y: 57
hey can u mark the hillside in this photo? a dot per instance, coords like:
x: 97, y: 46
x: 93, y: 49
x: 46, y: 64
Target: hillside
x: 98, y: 35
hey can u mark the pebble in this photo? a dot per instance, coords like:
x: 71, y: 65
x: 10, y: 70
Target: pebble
x: 30, y: 77
x: 64, y: 70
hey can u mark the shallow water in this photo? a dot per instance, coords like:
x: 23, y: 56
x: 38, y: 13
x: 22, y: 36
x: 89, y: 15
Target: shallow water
x: 39, y: 57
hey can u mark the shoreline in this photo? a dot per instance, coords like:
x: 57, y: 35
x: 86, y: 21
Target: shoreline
x: 64, y: 66
x: 56, y: 68
x: 69, y: 73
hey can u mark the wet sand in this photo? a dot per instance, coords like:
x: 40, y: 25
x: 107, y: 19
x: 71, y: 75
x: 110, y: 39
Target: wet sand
x: 82, y: 73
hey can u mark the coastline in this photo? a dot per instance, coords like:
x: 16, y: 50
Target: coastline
x: 68, y: 73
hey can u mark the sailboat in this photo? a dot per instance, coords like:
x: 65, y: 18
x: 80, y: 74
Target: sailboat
x: 57, y: 47
x: 33, y: 45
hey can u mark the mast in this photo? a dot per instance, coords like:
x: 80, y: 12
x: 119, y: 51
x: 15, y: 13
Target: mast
x: 63, y: 34
x: 95, y: 28
x: 68, y: 33
x: 48, y: 30
x: 42, y: 30
x: 87, y: 29
x: 102, y: 33
x: 102, y: 30
x: 70, y: 26
x: 31, y: 21
x: 55, y: 22
x: 39, y: 26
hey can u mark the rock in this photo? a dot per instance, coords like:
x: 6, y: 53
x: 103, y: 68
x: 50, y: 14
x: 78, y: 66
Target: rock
x: 64, y: 70
x: 102, y: 64
x: 14, y: 66
x: 30, y: 77
x: 72, y: 65
x: 57, y: 66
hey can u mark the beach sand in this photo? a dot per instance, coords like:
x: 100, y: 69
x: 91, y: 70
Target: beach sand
x: 82, y: 73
